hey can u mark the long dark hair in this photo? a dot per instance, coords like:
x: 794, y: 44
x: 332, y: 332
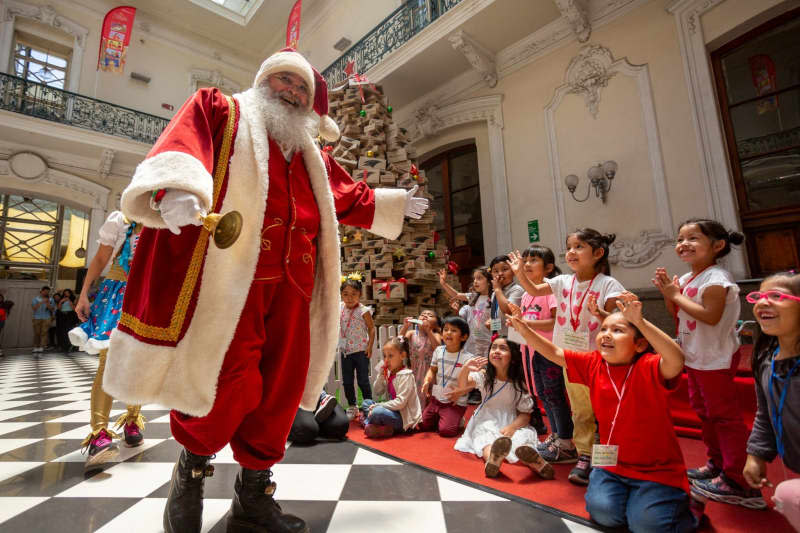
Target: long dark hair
x: 766, y: 345
x: 483, y: 271
x: 596, y: 240
x: 516, y: 374
x: 546, y: 255
x: 716, y: 232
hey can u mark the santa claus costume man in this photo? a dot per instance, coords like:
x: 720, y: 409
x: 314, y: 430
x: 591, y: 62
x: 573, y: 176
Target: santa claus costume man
x: 233, y: 339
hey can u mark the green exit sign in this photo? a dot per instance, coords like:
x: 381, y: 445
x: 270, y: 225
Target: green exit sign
x: 533, y: 230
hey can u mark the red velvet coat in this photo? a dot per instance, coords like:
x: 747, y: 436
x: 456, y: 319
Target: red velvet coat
x: 184, y: 296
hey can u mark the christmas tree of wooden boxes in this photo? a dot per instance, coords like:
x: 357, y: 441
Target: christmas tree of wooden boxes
x: 399, y: 277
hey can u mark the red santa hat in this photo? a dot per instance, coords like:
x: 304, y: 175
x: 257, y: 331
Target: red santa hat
x: 289, y: 60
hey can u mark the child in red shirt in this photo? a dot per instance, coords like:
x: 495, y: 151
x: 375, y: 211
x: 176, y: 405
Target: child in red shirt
x: 640, y: 481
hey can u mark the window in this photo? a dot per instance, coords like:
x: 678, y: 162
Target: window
x: 453, y: 182
x: 36, y: 63
x: 758, y: 84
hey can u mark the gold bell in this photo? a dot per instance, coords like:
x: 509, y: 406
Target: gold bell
x: 225, y: 228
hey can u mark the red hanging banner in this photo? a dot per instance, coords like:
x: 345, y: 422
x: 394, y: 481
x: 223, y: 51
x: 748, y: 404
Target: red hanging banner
x: 293, y: 26
x: 115, y: 38
x: 762, y: 70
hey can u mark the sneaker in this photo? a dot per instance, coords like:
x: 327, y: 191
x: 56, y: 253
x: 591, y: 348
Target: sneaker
x: 325, y: 408
x: 707, y: 471
x: 529, y: 457
x: 555, y: 454
x: 352, y: 412
x: 546, y: 442
x: 101, y: 450
x: 133, y: 435
x: 725, y: 490
x: 375, y: 431
x: 500, y: 449
x: 579, y: 475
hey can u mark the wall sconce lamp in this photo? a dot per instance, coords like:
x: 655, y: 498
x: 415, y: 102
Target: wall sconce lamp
x: 600, y: 178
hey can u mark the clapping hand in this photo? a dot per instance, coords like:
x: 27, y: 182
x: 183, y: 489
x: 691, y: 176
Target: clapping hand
x: 594, y: 308
x: 669, y: 287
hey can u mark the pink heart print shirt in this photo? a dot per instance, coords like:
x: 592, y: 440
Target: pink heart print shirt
x: 709, y: 347
x: 573, y: 317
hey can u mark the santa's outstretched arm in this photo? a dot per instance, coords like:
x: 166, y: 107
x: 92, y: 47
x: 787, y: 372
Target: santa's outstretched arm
x: 381, y: 211
x: 181, y: 161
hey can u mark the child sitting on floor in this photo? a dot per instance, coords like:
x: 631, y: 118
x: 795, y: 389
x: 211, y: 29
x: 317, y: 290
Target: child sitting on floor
x: 639, y: 480
x: 499, y: 427
x: 448, y: 402
x: 393, y: 378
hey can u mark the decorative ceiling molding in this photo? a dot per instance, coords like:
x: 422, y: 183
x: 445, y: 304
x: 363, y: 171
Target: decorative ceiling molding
x: 647, y: 246
x: 106, y: 160
x: 576, y: 13
x: 214, y: 78
x: 481, y: 59
x: 588, y: 73
x: 432, y: 119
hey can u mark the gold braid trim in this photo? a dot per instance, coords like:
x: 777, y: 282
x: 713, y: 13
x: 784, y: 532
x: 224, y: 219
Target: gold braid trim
x: 139, y: 420
x: 172, y: 332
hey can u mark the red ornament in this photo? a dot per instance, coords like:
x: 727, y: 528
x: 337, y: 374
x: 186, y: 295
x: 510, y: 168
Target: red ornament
x: 452, y: 266
x: 414, y: 170
x: 328, y: 148
x: 435, y: 237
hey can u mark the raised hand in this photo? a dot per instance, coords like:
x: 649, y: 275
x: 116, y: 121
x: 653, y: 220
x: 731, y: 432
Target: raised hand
x: 515, y: 262
x: 476, y: 364
x: 631, y: 307
x: 443, y: 276
x: 669, y: 287
x: 593, y: 307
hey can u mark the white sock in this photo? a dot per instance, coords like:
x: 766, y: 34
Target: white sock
x: 565, y: 443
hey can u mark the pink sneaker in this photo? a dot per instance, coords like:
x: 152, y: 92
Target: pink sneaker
x: 133, y: 436
x: 101, y: 450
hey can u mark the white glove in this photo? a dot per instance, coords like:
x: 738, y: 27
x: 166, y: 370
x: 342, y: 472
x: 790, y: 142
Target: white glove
x: 415, y: 207
x: 180, y: 208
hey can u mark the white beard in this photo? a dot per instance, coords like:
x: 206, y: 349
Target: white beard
x: 289, y: 126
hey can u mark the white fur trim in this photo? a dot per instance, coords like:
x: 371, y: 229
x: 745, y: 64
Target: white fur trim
x: 390, y: 208
x: 185, y: 377
x: 287, y: 62
x: 328, y: 128
x: 167, y: 170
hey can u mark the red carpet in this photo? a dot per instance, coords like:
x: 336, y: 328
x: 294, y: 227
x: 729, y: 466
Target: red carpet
x: 436, y: 453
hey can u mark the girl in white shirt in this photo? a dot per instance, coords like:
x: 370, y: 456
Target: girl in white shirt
x: 705, y: 303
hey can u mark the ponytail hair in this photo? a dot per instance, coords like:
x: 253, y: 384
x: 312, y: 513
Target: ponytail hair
x: 402, y: 345
x: 596, y: 240
x: 716, y: 232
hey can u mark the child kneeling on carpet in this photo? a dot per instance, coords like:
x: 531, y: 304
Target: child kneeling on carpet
x: 776, y: 365
x: 499, y: 429
x: 448, y: 402
x: 640, y: 477
x: 394, y: 378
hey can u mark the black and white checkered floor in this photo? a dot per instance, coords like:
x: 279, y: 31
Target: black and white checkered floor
x: 334, y: 486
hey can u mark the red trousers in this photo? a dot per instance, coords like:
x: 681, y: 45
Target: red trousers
x: 261, y: 381
x: 444, y: 417
x: 712, y: 395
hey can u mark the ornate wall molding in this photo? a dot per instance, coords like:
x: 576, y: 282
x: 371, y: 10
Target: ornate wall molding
x: 576, y: 13
x: 106, y: 160
x: 716, y: 177
x: 214, y: 78
x: 646, y: 247
x: 588, y: 73
x: 481, y: 59
x: 488, y: 109
x: 10, y: 10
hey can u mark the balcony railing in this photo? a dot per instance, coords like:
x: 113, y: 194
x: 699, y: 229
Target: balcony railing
x: 41, y: 101
x: 392, y: 33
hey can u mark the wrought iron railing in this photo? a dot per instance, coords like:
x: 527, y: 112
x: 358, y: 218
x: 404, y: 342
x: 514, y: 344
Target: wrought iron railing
x: 41, y: 101
x: 392, y: 33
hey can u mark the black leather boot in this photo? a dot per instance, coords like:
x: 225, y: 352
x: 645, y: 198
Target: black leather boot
x: 254, y: 510
x: 184, y: 510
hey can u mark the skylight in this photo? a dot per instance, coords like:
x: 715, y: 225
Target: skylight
x: 239, y: 11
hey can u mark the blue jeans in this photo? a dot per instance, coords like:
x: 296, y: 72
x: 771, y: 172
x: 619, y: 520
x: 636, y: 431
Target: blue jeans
x: 381, y: 416
x: 646, y: 506
x: 549, y: 380
x: 359, y: 363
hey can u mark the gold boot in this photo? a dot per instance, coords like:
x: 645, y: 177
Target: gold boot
x: 99, y: 442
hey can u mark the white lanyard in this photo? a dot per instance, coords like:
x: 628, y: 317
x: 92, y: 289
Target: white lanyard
x: 619, y: 394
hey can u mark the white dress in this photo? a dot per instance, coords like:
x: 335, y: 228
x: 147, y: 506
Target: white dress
x: 494, y: 414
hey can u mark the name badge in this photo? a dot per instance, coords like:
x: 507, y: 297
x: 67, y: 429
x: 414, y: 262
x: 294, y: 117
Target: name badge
x: 605, y: 454
x: 571, y: 340
x: 497, y: 324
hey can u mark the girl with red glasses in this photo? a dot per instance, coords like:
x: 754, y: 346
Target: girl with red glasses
x: 776, y: 365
